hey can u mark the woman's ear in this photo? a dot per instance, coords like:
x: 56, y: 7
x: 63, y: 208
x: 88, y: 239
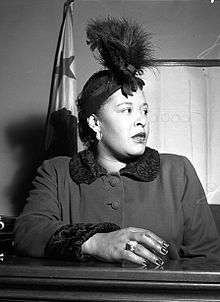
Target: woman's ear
x: 94, y: 123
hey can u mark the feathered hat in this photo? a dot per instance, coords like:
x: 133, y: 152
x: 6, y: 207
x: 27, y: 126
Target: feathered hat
x: 124, y: 49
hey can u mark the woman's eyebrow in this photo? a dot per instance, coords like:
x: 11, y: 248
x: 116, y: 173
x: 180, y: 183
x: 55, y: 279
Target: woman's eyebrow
x: 124, y: 103
x: 130, y: 103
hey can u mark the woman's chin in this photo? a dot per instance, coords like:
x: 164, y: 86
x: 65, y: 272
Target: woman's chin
x: 137, y: 151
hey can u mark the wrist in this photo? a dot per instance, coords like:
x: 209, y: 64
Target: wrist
x: 89, y: 246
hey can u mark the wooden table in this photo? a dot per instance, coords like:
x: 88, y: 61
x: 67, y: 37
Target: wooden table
x: 27, y: 279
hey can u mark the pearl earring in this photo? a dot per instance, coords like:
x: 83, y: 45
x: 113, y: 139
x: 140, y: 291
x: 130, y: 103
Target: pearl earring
x: 98, y: 135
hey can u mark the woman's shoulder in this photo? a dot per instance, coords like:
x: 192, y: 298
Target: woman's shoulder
x: 175, y: 161
x: 59, y: 163
x: 172, y: 157
x: 59, y: 159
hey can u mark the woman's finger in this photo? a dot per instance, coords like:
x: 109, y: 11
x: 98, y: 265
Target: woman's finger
x: 132, y: 257
x: 149, y: 242
x: 143, y: 252
x: 157, y: 238
x: 151, y: 234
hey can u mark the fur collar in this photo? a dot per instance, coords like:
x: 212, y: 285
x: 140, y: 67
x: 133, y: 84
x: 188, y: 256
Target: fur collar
x: 85, y: 169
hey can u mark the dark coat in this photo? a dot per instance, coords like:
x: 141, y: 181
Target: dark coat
x: 161, y: 193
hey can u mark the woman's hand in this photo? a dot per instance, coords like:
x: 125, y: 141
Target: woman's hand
x: 132, y: 244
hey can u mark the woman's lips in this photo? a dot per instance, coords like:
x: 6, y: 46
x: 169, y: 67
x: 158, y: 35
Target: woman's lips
x: 139, y: 137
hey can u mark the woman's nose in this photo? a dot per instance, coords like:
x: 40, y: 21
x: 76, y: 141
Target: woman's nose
x: 141, y: 120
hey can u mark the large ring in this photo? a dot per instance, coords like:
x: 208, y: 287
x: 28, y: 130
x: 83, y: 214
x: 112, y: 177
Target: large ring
x: 131, y: 245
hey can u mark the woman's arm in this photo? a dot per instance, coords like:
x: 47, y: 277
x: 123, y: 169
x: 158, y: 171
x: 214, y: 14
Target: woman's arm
x: 40, y: 231
x: 201, y: 237
x: 67, y: 242
x: 40, y: 218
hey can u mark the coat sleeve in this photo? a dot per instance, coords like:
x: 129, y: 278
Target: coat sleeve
x: 40, y: 218
x: 66, y: 243
x: 40, y: 231
x: 201, y: 237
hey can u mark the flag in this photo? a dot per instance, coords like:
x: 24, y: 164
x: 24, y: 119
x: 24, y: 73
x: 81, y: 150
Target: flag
x: 61, y: 116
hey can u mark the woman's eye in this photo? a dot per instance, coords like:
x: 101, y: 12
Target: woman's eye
x: 127, y: 110
x: 146, y: 111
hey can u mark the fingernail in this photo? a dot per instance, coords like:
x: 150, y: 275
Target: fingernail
x: 145, y: 263
x: 165, y: 245
x: 159, y: 261
x: 164, y: 251
x: 159, y: 267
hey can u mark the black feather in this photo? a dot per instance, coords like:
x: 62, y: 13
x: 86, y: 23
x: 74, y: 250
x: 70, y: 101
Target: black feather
x: 123, y: 45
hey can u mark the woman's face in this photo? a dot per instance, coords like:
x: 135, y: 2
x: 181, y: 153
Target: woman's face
x: 123, y: 124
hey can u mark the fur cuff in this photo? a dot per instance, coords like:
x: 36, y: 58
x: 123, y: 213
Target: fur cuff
x: 67, y: 241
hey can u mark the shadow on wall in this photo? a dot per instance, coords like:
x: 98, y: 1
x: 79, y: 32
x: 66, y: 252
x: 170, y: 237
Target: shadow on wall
x: 25, y: 139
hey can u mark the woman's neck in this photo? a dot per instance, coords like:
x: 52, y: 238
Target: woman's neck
x: 108, y: 161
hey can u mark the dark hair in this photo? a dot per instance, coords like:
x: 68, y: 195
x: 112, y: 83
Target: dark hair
x: 93, y: 95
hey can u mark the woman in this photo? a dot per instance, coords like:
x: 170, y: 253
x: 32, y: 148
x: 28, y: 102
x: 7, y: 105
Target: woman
x: 118, y: 199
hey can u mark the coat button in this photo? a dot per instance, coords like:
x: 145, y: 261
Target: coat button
x: 115, y: 205
x: 113, y: 181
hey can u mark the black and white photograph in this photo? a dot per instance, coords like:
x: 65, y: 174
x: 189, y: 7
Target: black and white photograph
x: 110, y: 150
